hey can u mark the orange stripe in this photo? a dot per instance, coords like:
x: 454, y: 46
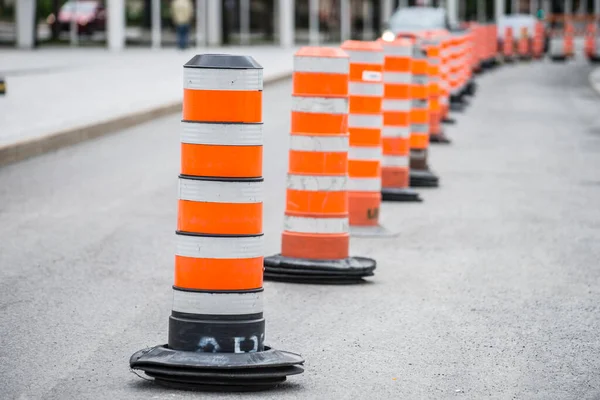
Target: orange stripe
x: 222, y: 106
x: 320, y: 84
x: 397, y: 91
x: 205, y: 160
x: 397, y: 64
x: 394, y: 177
x: 365, y: 137
x: 395, y: 146
x: 364, y: 168
x: 419, y: 116
x: 419, y: 141
x: 307, y: 201
x: 365, y: 104
x: 218, y: 274
x: 325, y: 124
x: 396, y: 118
x: 419, y: 67
x: 356, y: 70
x: 316, y: 247
x: 317, y: 163
x: 419, y: 91
x: 220, y: 218
x: 364, y: 208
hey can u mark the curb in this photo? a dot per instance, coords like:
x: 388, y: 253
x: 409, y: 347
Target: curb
x: 20, y: 151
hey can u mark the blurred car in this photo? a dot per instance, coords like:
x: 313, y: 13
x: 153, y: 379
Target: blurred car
x: 90, y: 16
x: 416, y: 19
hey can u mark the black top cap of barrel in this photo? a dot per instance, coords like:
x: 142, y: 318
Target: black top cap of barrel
x: 222, y: 61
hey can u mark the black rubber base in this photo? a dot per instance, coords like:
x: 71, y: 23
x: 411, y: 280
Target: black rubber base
x: 300, y: 270
x: 440, y: 138
x: 449, y: 121
x: 405, y: 194
x: 558, y: 58
x: 236, y: 372
x: 471, y: 88
x: 594, y: 59
x: 423, y: 178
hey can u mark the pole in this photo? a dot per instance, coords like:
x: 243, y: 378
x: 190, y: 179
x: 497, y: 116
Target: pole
x: 367, y: 20
x: 286, y: 24
x: 313, y: 23
x: 116, y: 24
x: 244, y: 22
x: 73, y: 37
x: 345, y: 18
x: 156, y: 24
x: 499, y: 11
x: 201, y: 10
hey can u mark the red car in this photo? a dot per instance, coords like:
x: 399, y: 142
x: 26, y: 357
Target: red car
x: 90, y: 16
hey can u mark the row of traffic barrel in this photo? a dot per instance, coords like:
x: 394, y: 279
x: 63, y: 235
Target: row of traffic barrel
x: 362, y: 118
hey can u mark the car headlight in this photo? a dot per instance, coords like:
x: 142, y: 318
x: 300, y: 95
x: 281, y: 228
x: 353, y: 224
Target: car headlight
x: 388, y: 36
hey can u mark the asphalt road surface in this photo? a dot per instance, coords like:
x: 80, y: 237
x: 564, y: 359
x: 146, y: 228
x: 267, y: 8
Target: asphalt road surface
x: 491, y: 289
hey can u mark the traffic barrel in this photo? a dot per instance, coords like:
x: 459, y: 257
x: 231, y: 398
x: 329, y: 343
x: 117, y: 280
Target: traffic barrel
x: 445, y: 83
x: 2, y: 86
x: 315, y: 241
x: 558, y: 48
x: 537, y: 46
x: 217, y: 328
x: 432, y: 43
x: 508, y: 44
x: 365, y: 122
x: 523, y: 44
x: 420, y: 173
x: 397, y: 79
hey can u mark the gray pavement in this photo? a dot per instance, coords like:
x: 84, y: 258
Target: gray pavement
x: 491, y: 290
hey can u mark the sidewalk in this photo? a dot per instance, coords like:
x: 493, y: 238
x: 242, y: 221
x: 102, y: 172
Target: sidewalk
x: 58, y: 97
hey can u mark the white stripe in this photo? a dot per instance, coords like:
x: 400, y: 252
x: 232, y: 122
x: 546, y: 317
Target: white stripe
x: 220, y: 191
x: 364, y: 153
x: 395, y: 161
x: 364, y: 185
x: 329, y: 143
x: 395, y: 131
x: 314, y: 183
x: 222, y: 134
x: 365, y: 121
x: 365, y: 89
x: 365, y: 57
x: 320, y: 105
x: 216, y: 303
x: 315, y: 225
x: 222, y: 79
x: 397, y: 77
x: 420, y: 79
x: 419, y: 129
x: 328, y: 65
x: 395, y: 50
x: 395, y: 105
x: 219, y: 247
x: 419, y: 104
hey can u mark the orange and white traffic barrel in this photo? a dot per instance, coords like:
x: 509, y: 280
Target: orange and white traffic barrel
x: 523, y: 44
x: 2, y: 86
x: 537, y: 46
x: 316, y: 239
x: 397, y: 79
x: 432, y: 44
x: 445, y: 82
x: 365, y: 122
x: 217, y: 328
x: 508, y: 45
x: 420, y: 174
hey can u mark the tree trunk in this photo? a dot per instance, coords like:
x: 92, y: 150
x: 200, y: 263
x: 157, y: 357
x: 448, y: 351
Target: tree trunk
x: 55, y: 26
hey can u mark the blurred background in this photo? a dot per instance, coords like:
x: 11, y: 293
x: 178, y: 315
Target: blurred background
x: 53, y: 18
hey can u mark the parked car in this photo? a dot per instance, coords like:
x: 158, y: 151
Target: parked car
x: 90, y: 16
x: 416, y: 19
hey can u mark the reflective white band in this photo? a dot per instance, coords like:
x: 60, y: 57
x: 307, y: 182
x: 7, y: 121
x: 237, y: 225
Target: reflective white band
x: 217, y: 303
x: 364, y: 185
x: 313, y: 183
x: 365, y: 57
x: 397, y: 77
x: 329, y: 143
x: 328, y: 65
x: 222, y: 134
x: 395, y: 161
x: 365, y: 89
x: 419, y: 104
x: 219, y: 247
x: 395, y: 132
x: 434, y: 60
x: 420, y: 79
x: 222, y: 79
x: 396, y: 105
x: 315, y: 225
x: 391, y: 50
x: 323, y: 105
x: 365, y: 121
x: 220, y: 191
x: 364, y: 153
x: 419, y: 129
